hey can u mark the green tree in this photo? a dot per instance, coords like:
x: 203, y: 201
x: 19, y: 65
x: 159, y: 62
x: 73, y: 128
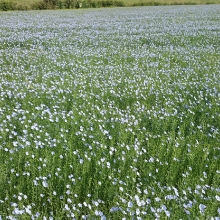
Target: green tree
x: 52, y: 3
x: 7, y: 5
x: 70, y: 3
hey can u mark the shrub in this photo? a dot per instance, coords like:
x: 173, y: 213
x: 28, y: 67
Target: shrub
x: 105, y: 3
x: 40, y: 6
x: 70, y: 3
x: 22, y: 7
x: 6, y: 5
x: 119, y: 4
x: 60, y: 4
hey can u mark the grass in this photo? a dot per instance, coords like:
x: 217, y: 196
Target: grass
x: 168, y: 2
x: 110, y: 113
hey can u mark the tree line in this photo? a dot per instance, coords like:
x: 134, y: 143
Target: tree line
x: 6, y: 5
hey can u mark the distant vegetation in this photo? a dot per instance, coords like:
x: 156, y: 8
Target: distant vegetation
x: 6, y: 5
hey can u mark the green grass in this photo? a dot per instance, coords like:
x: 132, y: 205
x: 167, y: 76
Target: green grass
x: 168, y: 2
x: 110, y: 112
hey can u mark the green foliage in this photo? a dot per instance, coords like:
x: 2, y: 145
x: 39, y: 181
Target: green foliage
x: 6, y: 5
x: 42, y: 5
x: 71, y: 4
x: 104, y: 3
x: 92, y: 4
x: 148, y: 3
x: 47, y: 4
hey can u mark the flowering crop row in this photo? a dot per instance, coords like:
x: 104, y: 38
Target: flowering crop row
x: 110, y: 113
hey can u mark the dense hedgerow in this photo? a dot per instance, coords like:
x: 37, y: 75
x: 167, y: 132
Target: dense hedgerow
x: 8, y: 5
x: 110, y: 113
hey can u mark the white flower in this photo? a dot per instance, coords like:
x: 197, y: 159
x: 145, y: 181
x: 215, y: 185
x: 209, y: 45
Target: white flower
x: 217, y: 197
x: 202, y: 208
x: 45, y: 184
x: 28, y: 210
x: 163, y: 207
x: 69, y: 200
x: 66, y: 207
x: 130, y: 204
x: 96, y: 212
x: 138, y: 211
x: 157, y: 199
x: 115, y: 209
x: 96, y: 203
x: 167, y: 213
x: 18, y: 212
x: 103, y: 217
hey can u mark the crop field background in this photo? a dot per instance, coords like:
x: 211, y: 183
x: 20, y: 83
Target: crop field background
x: 110, y: 113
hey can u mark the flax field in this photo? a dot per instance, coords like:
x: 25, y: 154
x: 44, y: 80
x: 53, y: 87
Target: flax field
x: 110, y: 113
